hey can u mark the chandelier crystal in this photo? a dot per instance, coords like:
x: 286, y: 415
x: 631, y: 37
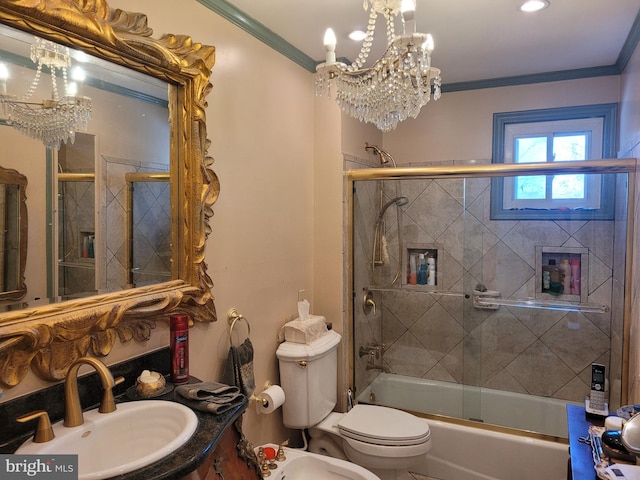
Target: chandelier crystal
x: 398, y: 84
x: 53, y: 120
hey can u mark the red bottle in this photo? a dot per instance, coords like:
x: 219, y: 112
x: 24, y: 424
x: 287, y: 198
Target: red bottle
x: 179, y: 345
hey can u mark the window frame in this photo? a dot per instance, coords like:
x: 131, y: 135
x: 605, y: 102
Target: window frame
x: 609, y: 115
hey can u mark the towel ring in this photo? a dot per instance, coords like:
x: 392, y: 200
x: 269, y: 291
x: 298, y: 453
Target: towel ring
x: 232, y: 317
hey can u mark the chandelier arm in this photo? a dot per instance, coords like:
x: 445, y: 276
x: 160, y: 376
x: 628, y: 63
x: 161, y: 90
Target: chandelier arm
x: 20, y: 102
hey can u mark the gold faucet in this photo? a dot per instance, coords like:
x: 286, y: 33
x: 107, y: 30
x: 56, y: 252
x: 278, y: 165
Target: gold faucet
x: 72, y: 408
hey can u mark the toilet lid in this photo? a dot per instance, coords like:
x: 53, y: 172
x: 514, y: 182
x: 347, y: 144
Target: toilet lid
x: 383, y: 426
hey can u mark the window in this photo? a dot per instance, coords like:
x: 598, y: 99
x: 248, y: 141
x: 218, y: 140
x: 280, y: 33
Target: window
x: 554, y: 135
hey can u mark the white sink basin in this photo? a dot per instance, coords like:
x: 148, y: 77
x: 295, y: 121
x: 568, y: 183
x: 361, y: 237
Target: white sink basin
x: 134, y: 436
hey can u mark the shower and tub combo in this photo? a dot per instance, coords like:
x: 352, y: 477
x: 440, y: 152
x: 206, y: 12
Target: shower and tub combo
x: 485, y: 353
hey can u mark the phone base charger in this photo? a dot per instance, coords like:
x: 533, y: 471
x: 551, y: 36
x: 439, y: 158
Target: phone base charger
x: 604, y: 413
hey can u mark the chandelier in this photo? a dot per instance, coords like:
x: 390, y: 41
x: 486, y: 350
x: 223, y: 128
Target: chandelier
x: 398, y: 84
x: 53, y: 120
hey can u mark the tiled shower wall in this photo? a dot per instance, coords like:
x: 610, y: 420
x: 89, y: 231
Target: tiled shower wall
x: 151, y: 229
x: 439, y: 335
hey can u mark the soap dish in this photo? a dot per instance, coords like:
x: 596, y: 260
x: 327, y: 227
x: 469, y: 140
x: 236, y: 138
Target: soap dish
x: 132, y: 392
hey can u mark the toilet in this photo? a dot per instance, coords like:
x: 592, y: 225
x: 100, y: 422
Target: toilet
x: 383, y: 440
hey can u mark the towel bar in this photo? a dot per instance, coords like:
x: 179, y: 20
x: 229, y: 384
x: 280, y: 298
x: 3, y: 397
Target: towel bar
x: 232, y: 317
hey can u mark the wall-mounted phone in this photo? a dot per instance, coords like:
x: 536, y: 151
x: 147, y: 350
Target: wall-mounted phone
x: 598, y: 401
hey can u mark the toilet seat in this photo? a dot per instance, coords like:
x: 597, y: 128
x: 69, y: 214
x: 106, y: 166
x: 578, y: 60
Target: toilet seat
x: 383, y: 426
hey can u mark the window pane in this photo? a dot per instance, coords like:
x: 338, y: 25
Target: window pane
x: 531, y: 149
x: 567, y: 148
x: 531, y: 187
x: 567, y: 186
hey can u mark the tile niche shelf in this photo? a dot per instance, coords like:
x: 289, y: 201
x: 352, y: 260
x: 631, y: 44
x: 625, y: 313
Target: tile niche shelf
x: 428, y: 250
x: 556, y: 255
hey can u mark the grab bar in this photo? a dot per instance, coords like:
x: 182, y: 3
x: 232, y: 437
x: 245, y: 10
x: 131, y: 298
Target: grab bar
x: 492, y: 303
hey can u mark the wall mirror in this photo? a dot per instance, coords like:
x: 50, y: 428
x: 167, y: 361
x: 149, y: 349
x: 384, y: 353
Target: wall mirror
x: 159, y: 85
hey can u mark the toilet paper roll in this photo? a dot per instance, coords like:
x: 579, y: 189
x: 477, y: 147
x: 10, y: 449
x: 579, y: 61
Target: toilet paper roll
x: 270, y: 399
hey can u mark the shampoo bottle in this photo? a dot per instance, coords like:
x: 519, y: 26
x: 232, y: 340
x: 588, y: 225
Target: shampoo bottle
x: 85, y: 247
x: 575, y: 277
x: 422, y: 270
x: 431, y: 270
x: 565, y: 275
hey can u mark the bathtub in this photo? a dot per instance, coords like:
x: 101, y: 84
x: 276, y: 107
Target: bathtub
x: 462, y: 452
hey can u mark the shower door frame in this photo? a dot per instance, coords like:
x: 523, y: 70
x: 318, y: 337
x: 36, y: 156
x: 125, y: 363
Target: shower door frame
x: 603, y: 166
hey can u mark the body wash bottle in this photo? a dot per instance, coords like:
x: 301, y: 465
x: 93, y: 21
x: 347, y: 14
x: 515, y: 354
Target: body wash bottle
x: 412, y: 270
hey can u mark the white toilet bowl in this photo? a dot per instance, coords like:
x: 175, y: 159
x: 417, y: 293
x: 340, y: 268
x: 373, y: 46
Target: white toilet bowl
x: 384, y: 440
x: 301, y: 465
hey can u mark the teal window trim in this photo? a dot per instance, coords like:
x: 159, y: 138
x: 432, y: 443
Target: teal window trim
x: 608, y: 112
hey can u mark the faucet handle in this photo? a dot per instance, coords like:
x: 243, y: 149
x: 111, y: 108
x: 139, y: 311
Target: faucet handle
x: 280, y: 455
x: 44, y: 430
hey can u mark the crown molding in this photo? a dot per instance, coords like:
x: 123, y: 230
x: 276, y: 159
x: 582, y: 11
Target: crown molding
x: 259, y: 31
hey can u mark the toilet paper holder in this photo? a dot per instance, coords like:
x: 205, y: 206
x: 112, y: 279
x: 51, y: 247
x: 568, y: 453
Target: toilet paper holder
x: 261, y: 401
x: 269, y: 399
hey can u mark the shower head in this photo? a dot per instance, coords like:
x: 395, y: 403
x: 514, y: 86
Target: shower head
x: 399, y: 201
x: 385, y: 156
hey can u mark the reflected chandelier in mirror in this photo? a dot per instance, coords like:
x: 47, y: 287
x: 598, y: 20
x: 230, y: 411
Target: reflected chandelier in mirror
x: 48, y: 339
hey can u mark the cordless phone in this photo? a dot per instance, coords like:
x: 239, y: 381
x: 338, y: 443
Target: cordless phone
x: 597, y: 403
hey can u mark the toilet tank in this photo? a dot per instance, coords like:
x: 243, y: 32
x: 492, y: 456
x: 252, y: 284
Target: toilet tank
x: 308, y: 376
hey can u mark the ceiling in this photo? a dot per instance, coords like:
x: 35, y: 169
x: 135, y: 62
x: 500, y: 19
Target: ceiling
x: 475, y: 40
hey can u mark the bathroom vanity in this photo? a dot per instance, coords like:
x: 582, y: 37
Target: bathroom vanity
x: 217, y: 450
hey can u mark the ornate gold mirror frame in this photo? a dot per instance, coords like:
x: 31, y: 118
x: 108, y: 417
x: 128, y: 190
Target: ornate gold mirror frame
x: 48, y: 339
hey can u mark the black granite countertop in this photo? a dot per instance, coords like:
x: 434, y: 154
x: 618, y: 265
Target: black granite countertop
x: 193, y: 453
x: 174, y: 467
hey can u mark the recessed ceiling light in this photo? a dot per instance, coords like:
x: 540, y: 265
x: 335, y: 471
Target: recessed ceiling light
x: 534, y: 5
x: 357, y: 35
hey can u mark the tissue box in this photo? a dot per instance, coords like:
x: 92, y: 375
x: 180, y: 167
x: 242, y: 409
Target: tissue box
x: 305, y: 331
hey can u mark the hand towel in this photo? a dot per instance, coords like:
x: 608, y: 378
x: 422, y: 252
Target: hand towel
x: 211, y: 397
x: 239, y: 368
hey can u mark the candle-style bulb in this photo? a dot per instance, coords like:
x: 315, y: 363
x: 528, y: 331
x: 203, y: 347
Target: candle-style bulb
x: 78, y: 74
x: 428, y: 45
x: 408, y: 10
x: 330, y: 45
x: 4, y: 75
x: 408, y: 5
